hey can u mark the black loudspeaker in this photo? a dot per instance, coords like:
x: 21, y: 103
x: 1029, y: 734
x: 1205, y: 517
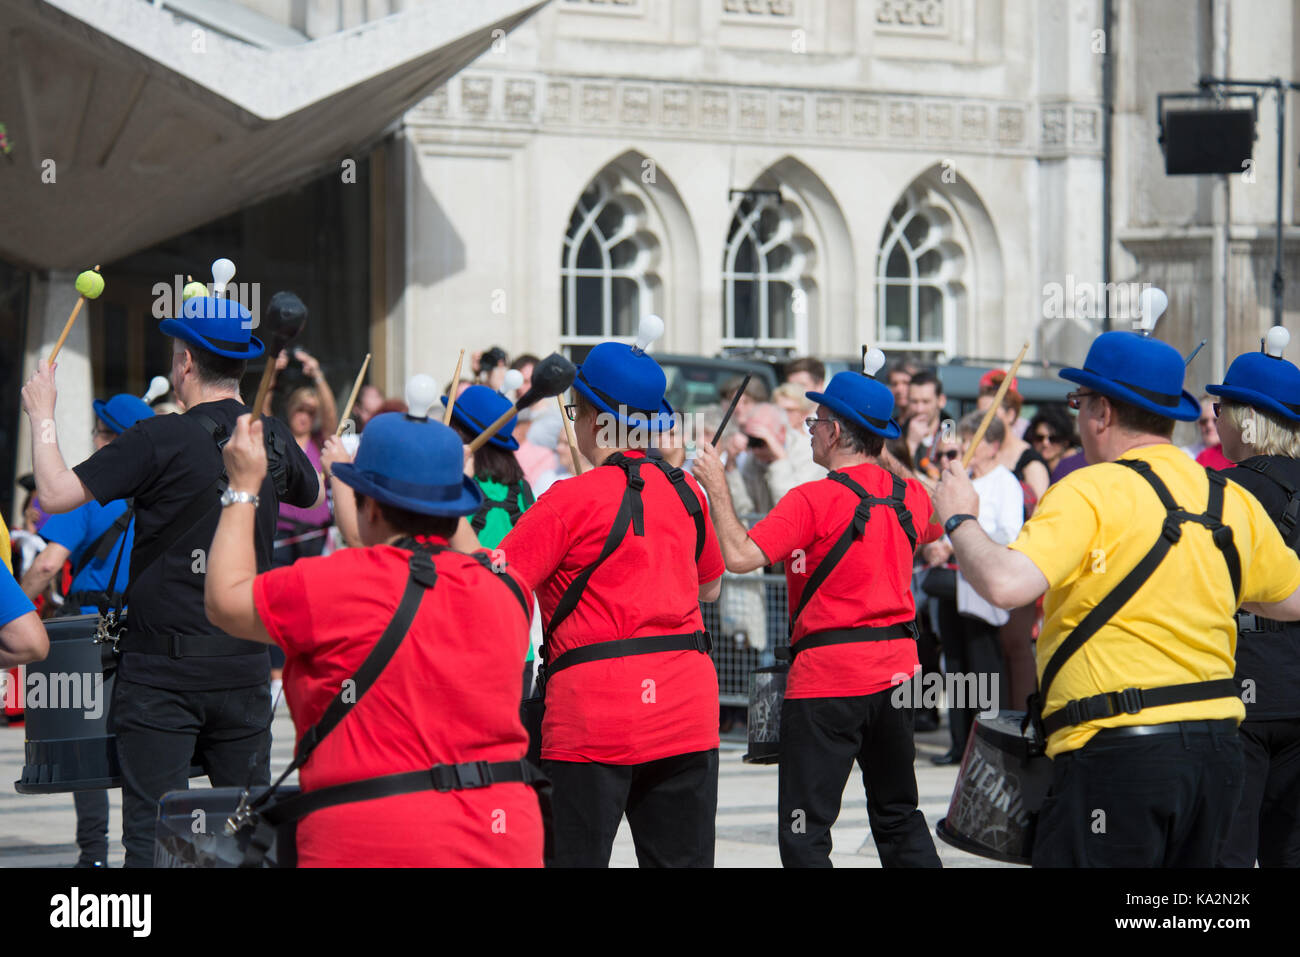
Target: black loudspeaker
x: 1207, y: 141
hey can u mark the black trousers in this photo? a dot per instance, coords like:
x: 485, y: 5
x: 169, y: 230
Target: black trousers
x: 671, y: 806
x: 161, y: 732
x: 971, y: 647
x: 927, y: 650
x: 1266, y: 826
x: 1162, y: 800
x: 820, y: 739
x: 92, y: 826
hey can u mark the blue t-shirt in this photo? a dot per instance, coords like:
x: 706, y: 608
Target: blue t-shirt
x: 78, y: 530
x: 13, y: 603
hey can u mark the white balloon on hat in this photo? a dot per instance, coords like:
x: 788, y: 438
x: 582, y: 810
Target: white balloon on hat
x: 158, y: 386
x: 873, y: 360
x: 1276, y: 341
x: 648, y: 330
x: 223, y: 270
x: 514, y: 379
x: 421, y: 393
x: 1152, y: 304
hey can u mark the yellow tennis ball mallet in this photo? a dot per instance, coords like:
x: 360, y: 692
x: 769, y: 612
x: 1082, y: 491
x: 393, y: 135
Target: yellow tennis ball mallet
x: 90, y: 284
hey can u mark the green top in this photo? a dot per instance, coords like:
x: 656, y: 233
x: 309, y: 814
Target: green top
x: 492, y: 523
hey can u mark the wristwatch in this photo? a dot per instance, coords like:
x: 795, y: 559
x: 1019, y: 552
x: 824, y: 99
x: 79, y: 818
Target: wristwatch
x: 230, y: 497
x: 952, y: 523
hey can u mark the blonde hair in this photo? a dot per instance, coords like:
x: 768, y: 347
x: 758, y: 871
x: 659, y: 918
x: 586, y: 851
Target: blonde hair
x: 788, y: 390
x: 1272, y: 434
x: 970, y: 424
x: 301, y: 395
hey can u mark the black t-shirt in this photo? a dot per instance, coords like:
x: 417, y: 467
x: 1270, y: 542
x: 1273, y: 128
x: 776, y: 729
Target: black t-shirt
x: 1272, y: 658
x: 163, y: 463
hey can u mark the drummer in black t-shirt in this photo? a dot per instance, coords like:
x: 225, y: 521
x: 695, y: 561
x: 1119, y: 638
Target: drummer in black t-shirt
x: 185, y: 691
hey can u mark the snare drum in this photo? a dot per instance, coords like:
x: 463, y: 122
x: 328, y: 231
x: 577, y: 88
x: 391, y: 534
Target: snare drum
x: 191, y: 830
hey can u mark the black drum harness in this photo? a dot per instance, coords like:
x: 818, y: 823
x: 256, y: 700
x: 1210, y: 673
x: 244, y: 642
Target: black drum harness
x: 262, y: 819
x: 856, y: 528
x: 1288, y: 523
x: 1133, y: 700
x: 510, y: 505
x: 630, y: 515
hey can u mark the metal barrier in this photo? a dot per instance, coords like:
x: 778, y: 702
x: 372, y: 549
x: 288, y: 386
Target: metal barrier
x: 747, y: 622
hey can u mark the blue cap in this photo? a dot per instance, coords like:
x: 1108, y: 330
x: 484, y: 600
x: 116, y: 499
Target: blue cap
x: 219, y: 325
x: 414, y: 464
x: 626, y: 383
x: 1139, y: 370
x: 478, y: 407
x: 1264, y: 382
x: 862, y: 400
x: 122, y: 411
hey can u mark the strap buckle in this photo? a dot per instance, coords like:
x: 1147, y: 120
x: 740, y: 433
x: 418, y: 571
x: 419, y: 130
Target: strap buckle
x: 1172, y: 530
x: 1129, y: 700
x: 458, y: 777
x: 1247, y: 622
x: 109, y: 630
x: 703, y: 641
x: 782, y: 653
x: 174, y: 652
x: 242, y: 817
x: 423, y: 569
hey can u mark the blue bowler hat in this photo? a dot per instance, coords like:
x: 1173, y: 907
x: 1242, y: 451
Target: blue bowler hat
x: 858, y: 397
x: 1141, y: 371
x: 122, y: 411
x: 478, y: 407
x: 625, y: 382
x: 1264, y: 380
x: 412, y: 463
x: 216, y: 324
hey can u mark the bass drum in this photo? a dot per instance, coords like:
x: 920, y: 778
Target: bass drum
x: 191, y: 830
x: 766, y: 696
x: 66, y: 699
x: 1000, y: 788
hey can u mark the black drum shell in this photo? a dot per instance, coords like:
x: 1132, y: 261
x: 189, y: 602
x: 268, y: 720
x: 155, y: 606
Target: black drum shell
x: 185, y: 839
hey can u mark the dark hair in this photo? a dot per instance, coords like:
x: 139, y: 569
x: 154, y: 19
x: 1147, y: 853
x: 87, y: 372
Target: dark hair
x: 413, y: 523
x: 1132, y: 419
x: 856, y: 438
x: 1058, y: 421
x: 491, y: 461
x: 526, y: 359
x: 898, y: 366
x: 814, y: 367
x: 756, y: 390
x: 926, y: 377
x: 899, y: 450
x: 213, y: 369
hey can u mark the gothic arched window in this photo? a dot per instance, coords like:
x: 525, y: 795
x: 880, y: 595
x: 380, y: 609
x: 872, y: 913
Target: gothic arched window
x: 920, y: 295
x: 766, y: 281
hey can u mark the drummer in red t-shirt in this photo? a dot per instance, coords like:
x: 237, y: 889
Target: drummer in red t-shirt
x: 631, y: 722
x: 848, y: 566
x: 449, y: 698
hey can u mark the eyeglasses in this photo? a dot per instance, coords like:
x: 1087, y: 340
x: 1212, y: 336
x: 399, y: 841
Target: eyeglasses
x: 1217, y: 413
x: 950, y: 455
x: 1074, y: 398
x: 1038, y: 438
x: 813, y: 421
x: 572, y: 412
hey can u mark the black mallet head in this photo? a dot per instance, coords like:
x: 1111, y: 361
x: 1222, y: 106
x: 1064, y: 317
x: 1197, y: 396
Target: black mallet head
x: 551, y: 376
x: 285, y: 317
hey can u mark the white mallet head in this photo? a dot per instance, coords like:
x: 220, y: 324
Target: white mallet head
x: 158, y: 386
x: 513, y: 380
x: 421, y: 392
x: 872, y: 362
x: 223, y: 270
x: 1152, y: 304
x: 1275, y: 342
x: 649, y: 329
x: 351, y: 442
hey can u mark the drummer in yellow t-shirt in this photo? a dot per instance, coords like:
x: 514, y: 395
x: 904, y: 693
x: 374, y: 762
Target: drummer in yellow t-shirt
x: 1136, y: 694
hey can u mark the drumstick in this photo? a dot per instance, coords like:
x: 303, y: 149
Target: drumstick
x: 67, y: 326
x: 993, y: 409
x: 568, y: 434
x: 356, y: 387
x: 730, y: 409
x: 455, y: 387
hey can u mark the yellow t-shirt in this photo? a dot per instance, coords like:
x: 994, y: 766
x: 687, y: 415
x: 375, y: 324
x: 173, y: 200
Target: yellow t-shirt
x: 6, y: 553
x: 1092, y: 528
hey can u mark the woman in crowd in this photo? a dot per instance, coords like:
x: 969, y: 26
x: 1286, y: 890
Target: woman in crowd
x: 968, y: 625
x: 1052, y: 434
x: 1025, y: 462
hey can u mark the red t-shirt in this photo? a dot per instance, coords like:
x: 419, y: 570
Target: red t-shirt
x: 641, y: 707
x: 870, y: 586
x: 1213, y: 458
x: 449, y: 695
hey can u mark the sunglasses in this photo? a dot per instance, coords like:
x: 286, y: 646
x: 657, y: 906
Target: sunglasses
x: 1075, y: 398
x: 572, y: 412
x: 950, y: 455
x: 1040, y: 437
x: 1217, y: 406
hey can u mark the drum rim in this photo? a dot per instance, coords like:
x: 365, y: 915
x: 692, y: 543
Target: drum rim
x: 963, y: 843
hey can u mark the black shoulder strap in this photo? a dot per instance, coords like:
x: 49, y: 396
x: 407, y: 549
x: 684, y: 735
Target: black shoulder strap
x: 515, y: 493
x: 483, y: 559
x: 423, y: 576
x: 856, y: 528
x: 102, y: 546
x: 1288, y: 523
x: 690, y: 501
x: 1170, y: 533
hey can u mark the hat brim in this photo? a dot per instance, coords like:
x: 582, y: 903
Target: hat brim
x: 1254, y: 399
x: 663, y: 420
x: 509, y: 443
x: 172, y: 327
x: 469, y: 499
x: 890, y: 431
x: 1188, y: 409
x: 99, y: 406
